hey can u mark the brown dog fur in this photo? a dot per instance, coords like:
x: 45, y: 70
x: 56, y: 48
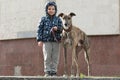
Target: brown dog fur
x: 75, y: 38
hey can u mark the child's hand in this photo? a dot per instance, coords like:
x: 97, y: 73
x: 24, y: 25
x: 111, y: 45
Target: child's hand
x: 40, y: 44
x: 55, y: 28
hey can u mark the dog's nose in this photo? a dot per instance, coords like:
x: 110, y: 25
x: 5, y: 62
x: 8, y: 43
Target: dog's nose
x: 65, y: 24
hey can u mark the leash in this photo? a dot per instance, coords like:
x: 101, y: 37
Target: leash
x: 53, y: 33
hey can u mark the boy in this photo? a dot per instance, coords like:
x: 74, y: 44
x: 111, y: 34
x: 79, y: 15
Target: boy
x: 48, y: 37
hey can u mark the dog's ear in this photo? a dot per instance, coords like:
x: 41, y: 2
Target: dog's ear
x: 72, y: 14
x: 61, y: 15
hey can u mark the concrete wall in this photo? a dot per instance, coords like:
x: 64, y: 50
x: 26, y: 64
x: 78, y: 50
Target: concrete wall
x: 19, y: 18
x: 24, y: 57
x: 94, y: 17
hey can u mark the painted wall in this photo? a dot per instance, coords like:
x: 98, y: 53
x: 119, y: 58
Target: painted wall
x: 24, y: 57
x: 19, y: 18
x: 93, y: 16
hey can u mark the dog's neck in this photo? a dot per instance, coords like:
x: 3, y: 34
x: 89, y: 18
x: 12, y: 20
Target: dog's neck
x: 68, y: 30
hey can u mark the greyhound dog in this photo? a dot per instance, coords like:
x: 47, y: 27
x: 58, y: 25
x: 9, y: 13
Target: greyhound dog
x: 75, y: 38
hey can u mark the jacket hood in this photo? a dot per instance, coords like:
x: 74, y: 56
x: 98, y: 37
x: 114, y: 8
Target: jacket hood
x: 51, y: 4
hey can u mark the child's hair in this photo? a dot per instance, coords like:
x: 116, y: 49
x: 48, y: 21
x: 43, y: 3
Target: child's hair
x: 51, y: 3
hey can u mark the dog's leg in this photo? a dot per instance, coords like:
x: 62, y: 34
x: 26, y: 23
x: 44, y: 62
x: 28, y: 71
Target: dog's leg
x: 65, y: 61
x: 78, y: 50
x: 77, y: 66
x: 86, y: 53
x: 73, y: 61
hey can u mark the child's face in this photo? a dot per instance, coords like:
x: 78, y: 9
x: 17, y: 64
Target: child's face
x: 51, y: 10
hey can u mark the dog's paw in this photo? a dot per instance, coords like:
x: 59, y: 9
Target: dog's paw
x: 72, y: 76
x: 65, y: 75
x: 77, y: 76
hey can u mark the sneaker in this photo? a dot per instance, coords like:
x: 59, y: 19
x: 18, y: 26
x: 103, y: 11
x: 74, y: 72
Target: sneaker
x: 53, y: 73
x: 47, y: 74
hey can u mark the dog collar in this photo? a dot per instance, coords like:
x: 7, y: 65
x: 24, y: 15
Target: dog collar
x: 68, y: 30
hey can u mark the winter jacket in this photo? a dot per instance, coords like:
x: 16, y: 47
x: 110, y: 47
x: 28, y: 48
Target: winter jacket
x: 44, y: 29
x: 45, y: 25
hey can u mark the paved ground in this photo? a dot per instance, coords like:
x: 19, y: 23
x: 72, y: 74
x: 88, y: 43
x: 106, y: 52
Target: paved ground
x: 55, y: 78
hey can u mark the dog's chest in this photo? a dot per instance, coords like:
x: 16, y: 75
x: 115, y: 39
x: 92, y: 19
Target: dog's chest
x: 67, y: 38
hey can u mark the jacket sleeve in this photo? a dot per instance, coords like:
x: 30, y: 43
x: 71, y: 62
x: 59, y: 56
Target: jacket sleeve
x: 60, y: 25
x: 40, y: 30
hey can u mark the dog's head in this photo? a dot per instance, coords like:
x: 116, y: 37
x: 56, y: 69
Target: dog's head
x: 67, y: 20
